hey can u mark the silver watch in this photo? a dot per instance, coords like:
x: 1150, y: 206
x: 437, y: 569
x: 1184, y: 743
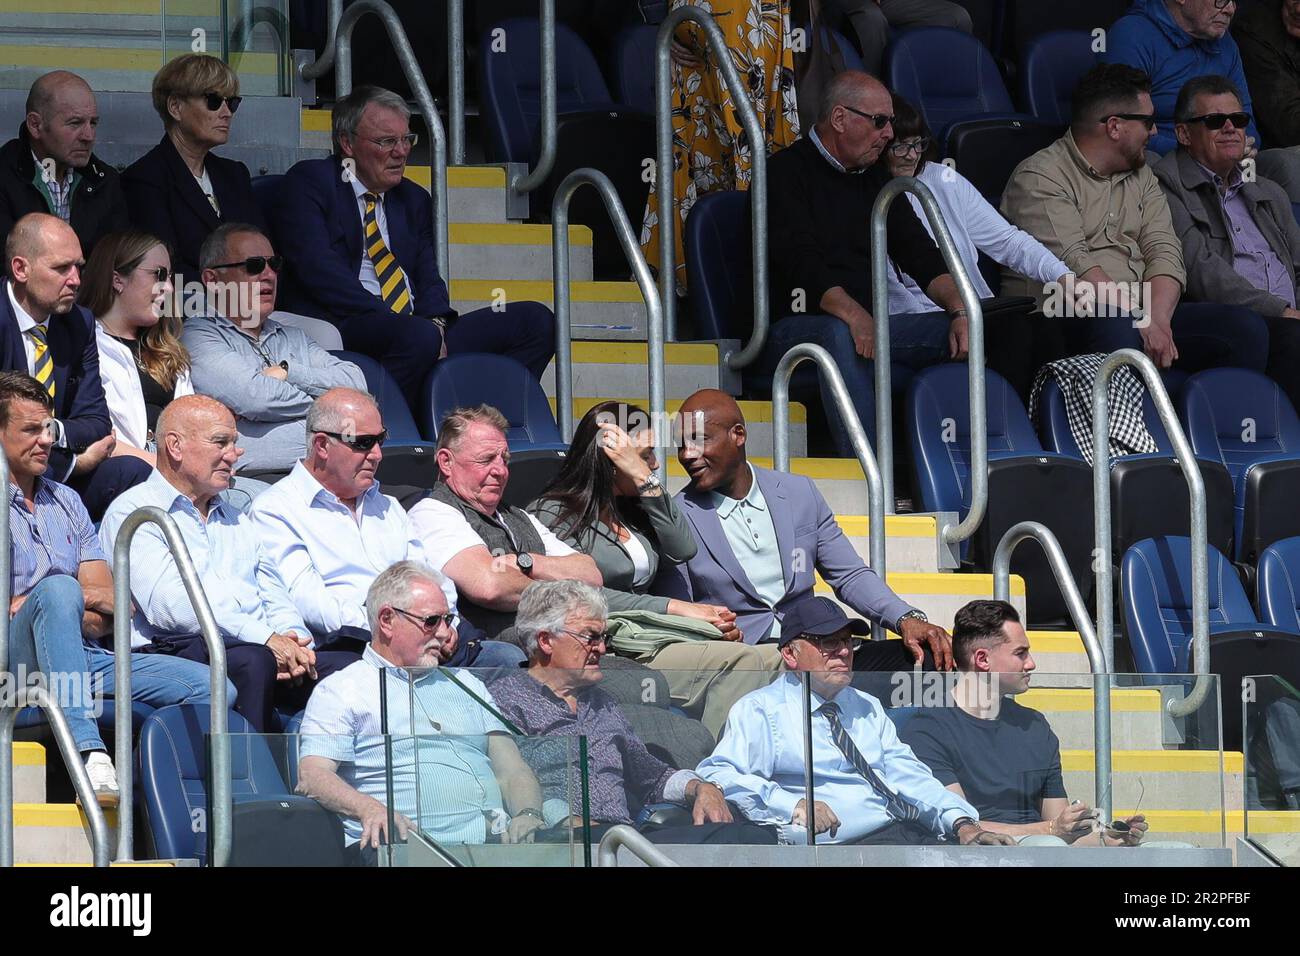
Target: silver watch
x: 912, y: 615
x: 650, y: 484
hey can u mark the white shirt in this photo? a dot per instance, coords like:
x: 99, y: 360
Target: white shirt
x: 367, y: 275
x: 205, y: 183
x: 25, y: 324
x: 640, y: 560
x: 328, y: 558
x: 975, y: 226
x: 122, y: 389
x: 445, y: 533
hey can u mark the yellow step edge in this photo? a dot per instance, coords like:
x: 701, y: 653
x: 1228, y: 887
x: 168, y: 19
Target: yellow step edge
x: 753, y: 411
x: 636, y: 353
x: 512, y: 234
x: 961, y: 585
x: 520, y: 290
x: 54, y: 815
x: 460, y: 177
x: 896, y: 526
x: 833, y: 469
x: 1157, y: 761
x: 1075, y: 699
x: 28, y: 754
x: 1207, y: 821
x: 322, y: 121
x: 194, y: 8
x: 1055, y: 642
x: 117, y: 58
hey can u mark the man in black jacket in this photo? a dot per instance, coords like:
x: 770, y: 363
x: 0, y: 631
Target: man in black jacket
x: 49, y: 167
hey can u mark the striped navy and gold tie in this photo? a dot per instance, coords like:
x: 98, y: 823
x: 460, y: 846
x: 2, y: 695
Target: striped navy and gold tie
x: 392, y: 280
x: 42, y: 361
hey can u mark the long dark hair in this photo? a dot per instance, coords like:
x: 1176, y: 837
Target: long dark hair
x: 584, y: 487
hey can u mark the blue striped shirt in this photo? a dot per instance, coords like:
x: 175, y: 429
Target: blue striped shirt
x: 54, y: 539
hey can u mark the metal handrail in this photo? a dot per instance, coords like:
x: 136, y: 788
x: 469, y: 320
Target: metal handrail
x: 623, y: 836
x: 808, y: 352
x: 979, y: 446
x: 522, y: 184
x: 456, y: 81
x: 220, y: 787
x: 563, y: 332
x: 325, y: 62
x: 101, y: 837
x: 339, y: 57
x: 1014, y: 537
x: 664, y: 177
x: 1101, y: 497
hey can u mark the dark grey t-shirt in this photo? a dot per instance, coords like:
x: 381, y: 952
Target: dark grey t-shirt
x: 1006, y: 766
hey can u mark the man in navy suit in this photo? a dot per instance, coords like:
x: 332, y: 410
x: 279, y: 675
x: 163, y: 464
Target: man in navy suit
x: 761, y: 536
x: 44, y: 333
x: 359, y: 242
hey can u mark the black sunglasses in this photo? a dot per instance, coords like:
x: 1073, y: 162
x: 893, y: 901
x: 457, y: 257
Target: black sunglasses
x: 590, y: 640
x: 254, y: 265
x: 432, y: 622
x: 359, y: 442
x: 878, y: 120
x: 1146, y: 119
x: 1217, y: 120
x: 160, y: 273
x: 213, y: 101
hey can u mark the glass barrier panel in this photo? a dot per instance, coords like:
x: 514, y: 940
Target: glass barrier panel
x: 1270, y: 730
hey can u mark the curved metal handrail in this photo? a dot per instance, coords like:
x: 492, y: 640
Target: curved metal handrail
x: 339, y: 57
x: 1037, y: 531
x: 979, y: 445
x: 563, y: 332
x: 664, y: 177
x: 1199, y: 539
x: 220, y: 787
x: 100, y: 836
x: 325, y: 62
x: 808, y: 352
x: 546, y: 159
x: 624, y: 836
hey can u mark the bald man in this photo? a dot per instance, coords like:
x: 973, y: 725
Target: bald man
x: 44, y: 333
x: 763, y: 533
x: 50, y: 167
x: 269, y: 650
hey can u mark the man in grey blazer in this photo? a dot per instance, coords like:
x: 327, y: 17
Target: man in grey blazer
x: 1241, y: 242
x: 762, y: 535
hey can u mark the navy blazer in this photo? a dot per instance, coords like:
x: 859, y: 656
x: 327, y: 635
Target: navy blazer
x: 78, y: 390
x: 166, y: 200
x: 809, y: 539
x: 318, y: 229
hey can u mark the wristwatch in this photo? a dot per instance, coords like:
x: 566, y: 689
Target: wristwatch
x: 912, y: 615
x: 524, y: 561
x: 650, y: 484
x: 961, y: 822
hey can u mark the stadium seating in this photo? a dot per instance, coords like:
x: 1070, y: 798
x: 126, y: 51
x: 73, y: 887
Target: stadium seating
x: 1278, y: 583
x: 272, y: 826
x: 1027, y: 19
x: 634, y: 67
x: 1243, y: 419
x: 988, y: 151
x: 408, y: 461
x: 1050, y: 70
x: 1025, y: 482
x: 265, y: 189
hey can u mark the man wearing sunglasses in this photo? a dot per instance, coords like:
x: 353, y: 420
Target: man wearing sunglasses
x: 1240, y: 239
x: 50, y: 167
x: 358, y: 237
x: 266, y: 372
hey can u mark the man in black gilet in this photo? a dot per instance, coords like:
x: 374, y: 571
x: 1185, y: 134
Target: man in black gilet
x: 491, y: 551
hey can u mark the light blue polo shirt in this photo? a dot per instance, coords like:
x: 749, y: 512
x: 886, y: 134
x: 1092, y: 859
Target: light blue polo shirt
x: 747, y: 523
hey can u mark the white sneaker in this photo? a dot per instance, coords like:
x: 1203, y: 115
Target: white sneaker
x: 103, y: 777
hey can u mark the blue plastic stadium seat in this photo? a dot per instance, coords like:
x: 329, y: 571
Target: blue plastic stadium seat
x: 174, y: 785
x: 265, y: 189
x: 1050, y: 70
x: 1025, y: 482
x: 510, y: 85
x: 634, y: 66
x: 392, y: 405
x: 35, y: 717
x: 949, y: 76
x: 1028, y: 19
x: 1278, y: 584
x: 852, y: 58
x: 463, y: 381
x: 1243, y: 419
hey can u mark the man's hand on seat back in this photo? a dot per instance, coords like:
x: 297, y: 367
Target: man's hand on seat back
x: 917, y: 634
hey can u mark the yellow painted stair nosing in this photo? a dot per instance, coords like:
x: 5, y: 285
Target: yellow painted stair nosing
x: 1207, y: 821
x: 832, y: 469
x: 28, y: 754
x: 537, y: 290
x: 54, y: 815
x: 1157, y: 761
x: 512, y: 234
x: 939, y: 583
x: 1076, y: 699
x: 119, y: 58
x: 896, y: 526
x: 753, y: 411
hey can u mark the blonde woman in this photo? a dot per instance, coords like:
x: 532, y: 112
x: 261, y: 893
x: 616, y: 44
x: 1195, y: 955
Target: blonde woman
x: 126, y: 285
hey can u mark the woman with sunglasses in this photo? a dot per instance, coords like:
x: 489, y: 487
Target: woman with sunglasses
x: 179, y: 190
x: 126, y: 284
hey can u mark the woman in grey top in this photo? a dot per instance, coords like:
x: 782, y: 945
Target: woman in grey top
x: 607, y: 502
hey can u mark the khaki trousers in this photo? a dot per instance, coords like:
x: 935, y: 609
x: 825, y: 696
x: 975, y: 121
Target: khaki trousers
x: 706, y: 677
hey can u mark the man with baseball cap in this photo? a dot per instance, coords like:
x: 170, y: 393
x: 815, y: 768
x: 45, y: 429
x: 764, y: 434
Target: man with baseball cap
x: 868, y: 787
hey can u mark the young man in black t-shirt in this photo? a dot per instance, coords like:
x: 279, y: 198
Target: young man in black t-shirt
x: 1000, y: 756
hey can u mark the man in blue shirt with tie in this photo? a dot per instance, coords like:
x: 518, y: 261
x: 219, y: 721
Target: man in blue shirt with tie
x: 868, y: 787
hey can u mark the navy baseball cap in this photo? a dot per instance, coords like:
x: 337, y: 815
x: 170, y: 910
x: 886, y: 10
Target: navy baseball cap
x: 817, y: 617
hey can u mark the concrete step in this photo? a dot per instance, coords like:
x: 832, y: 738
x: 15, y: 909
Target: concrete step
x: 475, y: 193
x: 1276, y: 829
x: 1058, y: 652
x: 53, y: 833
x: 608, y: 368
x: 758, y: 416
x: 1161, y: 779
x: 514, y: 251
x: 29, y: 772
x: 597, y: 310
x: 909, y: 540
x: 939, y: 595
x: 840, y: 480
x: 1135, y: 718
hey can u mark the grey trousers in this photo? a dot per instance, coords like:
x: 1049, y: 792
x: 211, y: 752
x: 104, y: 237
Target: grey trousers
x: 871, y: 22
x: 1282, y: 165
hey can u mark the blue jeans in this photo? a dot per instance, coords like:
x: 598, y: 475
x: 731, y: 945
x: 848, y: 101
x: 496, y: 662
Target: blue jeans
x: 45, y: 636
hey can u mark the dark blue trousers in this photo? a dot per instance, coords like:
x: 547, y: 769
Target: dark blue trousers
x: 1207, y: 335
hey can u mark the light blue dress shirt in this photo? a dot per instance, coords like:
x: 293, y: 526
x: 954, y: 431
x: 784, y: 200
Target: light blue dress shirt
x: 747, y: 524
x: 442, y: 777
x: 326, y: 556
x: 759, y: 765
x: 249, y: 603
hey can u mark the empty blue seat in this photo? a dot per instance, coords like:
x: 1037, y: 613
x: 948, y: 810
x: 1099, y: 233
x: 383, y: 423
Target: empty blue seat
x: 265, y: 189
x: 464, y: 381
x: 392, y: 405
x: 510, y: 85
x: 634, y: 66
x: 1278, y: 584
x: 1050, y: 70
x: 1243, y: 419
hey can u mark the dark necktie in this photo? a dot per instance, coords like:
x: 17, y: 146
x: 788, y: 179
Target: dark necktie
x: 895, y: 806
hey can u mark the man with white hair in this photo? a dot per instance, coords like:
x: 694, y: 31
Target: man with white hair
x: 456, y: 773
x: 563, y: 624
